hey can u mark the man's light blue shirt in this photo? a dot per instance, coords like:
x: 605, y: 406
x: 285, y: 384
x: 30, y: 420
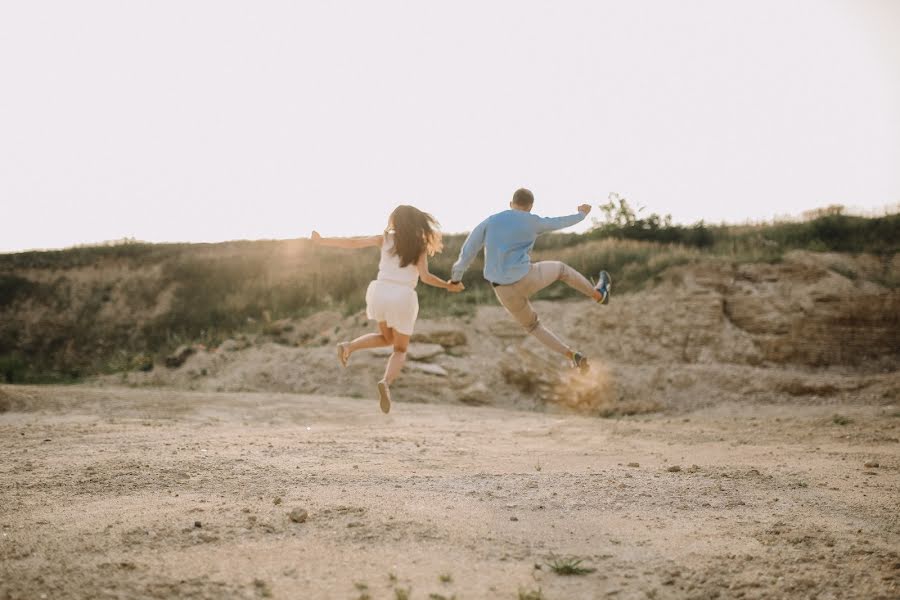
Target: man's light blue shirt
x: 507, y: 238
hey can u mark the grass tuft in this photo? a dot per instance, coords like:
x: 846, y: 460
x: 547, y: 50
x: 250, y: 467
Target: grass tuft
x: 402, y: 593
x: 569, y: 566
x: 841, y: 420
x: 531, y: 594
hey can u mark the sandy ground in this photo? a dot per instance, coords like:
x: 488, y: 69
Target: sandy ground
x: 124, y: 493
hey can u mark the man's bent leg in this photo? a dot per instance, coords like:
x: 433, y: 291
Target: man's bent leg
x: 577, y: 281
x: 546, y: 272
x: 517, y: 305
x: 549, y: 339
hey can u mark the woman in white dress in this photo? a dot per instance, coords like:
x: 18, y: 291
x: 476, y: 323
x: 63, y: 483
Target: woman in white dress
x: 410, y: 238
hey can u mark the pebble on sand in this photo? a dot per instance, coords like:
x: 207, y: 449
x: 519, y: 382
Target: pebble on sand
x: 634, y: 464
x: 673, y: 469
x: 198, y: 524
x: 871, y: 464
x: 298, y: 515
x: 276, y: 501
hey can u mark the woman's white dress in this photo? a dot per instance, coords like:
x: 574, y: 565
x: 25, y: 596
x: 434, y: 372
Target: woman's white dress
x: 392, y: 296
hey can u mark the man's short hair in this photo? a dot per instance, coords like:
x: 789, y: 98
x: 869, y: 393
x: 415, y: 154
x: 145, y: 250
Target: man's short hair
x: 523, y: 198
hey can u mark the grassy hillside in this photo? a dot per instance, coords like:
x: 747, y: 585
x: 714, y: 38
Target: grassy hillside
x: 68, y: 313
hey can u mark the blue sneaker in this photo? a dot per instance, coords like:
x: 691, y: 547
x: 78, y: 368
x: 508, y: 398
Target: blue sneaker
x: 604, y: 286
x: 580, y: 362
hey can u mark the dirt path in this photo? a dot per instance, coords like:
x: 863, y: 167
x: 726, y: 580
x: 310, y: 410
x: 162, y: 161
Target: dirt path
x: 120, y: 493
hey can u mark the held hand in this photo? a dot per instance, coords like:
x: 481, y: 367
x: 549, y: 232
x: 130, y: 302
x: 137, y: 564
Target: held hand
x: 584, y: 208
x: 455, y: 287
x: 315, y: 237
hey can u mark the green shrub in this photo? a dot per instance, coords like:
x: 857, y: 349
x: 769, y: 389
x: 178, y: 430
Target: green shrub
x: 13, y: 368
x: 13, y: 287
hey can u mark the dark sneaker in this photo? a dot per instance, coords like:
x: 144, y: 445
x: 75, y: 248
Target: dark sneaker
x: 580, y: 362
x: 604, y: 286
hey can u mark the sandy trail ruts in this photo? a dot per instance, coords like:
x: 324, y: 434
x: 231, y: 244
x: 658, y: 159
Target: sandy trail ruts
x: 101, y: 490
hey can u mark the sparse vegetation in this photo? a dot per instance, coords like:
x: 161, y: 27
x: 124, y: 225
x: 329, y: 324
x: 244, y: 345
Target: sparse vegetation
x: 69, y: 313
x: 526, y: 594
x: 402, y: 593
x: 569, y: 566
x: 841, y: 420
x: 445, y: 578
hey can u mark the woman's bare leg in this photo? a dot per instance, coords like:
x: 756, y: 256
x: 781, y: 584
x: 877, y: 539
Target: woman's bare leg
x: 392, y: 370
x: 398, y: 357
x: 385, y: 337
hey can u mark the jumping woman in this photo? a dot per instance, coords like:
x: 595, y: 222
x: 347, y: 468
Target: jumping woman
x: 410, y: 238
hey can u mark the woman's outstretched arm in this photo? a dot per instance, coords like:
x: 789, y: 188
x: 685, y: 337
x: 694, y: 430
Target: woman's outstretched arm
x: 429, y: 278
x: 350, y: 242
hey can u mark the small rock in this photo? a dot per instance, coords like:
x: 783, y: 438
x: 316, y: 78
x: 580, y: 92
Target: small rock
x: 514, y: 518
x: 871, y: 465
x: 428, y: 369
x: 673, y: 469
x: 276, y: 501
x: 424, y: 351
x: 198, y: 524
x: 477, y: 394
x: 298, y: 515
x: 447, y: 338
x: 634, y: 464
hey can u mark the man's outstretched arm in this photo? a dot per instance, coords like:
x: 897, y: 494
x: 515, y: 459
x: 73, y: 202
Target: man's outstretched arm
x: 469, y: 251
x: 553, y: 223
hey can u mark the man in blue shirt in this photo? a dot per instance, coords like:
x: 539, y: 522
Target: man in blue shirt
x: 507, y: 238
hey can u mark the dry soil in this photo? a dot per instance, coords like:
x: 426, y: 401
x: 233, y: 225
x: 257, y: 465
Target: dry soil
x: 127, y: 493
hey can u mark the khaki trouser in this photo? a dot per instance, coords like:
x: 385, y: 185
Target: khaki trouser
x: 515, y: 298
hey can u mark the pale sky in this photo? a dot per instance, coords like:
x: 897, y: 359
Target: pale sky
x: 205, y: 121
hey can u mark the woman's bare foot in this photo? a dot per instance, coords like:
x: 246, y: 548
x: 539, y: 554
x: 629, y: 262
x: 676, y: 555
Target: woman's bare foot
x: 343, y: 353
x: 384, y: 394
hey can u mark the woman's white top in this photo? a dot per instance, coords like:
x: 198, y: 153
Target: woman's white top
x: 389, y: 268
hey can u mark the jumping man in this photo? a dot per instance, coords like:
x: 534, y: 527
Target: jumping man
x: 507, y: 238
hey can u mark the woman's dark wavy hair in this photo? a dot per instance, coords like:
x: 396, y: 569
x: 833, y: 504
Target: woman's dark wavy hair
x: 415, y: 232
